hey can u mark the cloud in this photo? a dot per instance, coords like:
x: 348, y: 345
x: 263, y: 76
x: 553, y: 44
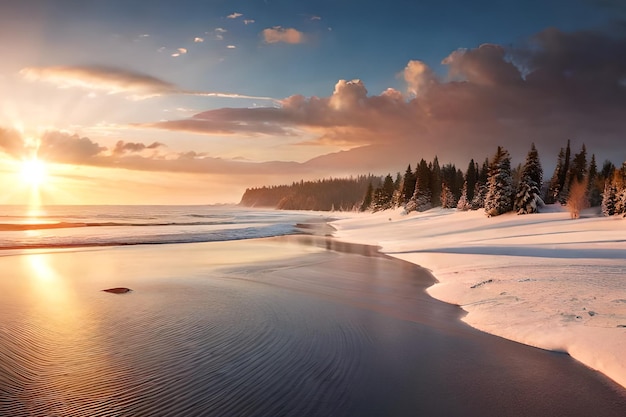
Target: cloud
x: 231, y: 47
x: 122, y: 147
x: 279, y: 34
x: 11, y: 142
x: 179, y: 52
x: 115, y: 80
x: 65, y: 148
x: 198, y: 39
x: 316, y: 18
x: 248, y: 21
x: 109, y: 79
x: 234, y: 15
x: 418, y: 77
x: 557, y: 86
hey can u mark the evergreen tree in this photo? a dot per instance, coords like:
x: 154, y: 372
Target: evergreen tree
x: 555, y: 186
x: 383, y: 196
x: 527, y: 199
x: 435, y: 183
x: 367, y: 200
x: 595, y: 184
x: 609, y: 198
x: 471, y: 177
x: 499, y: 198
x: 480, y: 192
x: 408, y: 186
x: 464, y: 203
x: 447, y: 198
x: 421, y: 199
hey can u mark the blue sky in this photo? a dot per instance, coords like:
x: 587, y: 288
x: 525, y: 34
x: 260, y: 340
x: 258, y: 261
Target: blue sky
x: 111, y: 87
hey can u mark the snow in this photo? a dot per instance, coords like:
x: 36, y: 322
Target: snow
x: 540, y: 279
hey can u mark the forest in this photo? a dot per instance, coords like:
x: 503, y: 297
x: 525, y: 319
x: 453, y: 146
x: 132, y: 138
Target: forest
x: 492, y: 185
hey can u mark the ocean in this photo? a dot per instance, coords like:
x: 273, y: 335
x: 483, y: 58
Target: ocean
x: 219, y: 323
x: 22, y: 227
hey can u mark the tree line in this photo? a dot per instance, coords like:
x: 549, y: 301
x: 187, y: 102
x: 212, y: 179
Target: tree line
x: 492, y: 185
x: 342, y: 194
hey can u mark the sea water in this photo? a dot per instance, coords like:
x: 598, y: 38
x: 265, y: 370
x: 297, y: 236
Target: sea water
x: 22, y: 227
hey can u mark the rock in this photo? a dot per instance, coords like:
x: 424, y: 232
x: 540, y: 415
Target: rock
x: 118, y: 290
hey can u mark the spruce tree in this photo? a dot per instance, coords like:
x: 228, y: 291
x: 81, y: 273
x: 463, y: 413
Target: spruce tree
x: 408, y: 186
x: 499, y: 198
x: 367, y: 200
x: 435, y: 183
x: 595, y: 190
x: 609, y: 198
x: 464, y: 203
x: 527, y: 199
x: 447, y: 198
x: 471, y: 177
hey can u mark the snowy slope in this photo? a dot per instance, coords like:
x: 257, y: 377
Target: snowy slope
x: 541, y: 279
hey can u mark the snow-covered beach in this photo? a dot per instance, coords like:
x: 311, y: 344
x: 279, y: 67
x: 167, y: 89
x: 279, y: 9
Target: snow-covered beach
x: 543, y: 279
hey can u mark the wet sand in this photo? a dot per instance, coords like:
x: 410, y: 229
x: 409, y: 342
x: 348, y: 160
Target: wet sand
x: 293, y: 326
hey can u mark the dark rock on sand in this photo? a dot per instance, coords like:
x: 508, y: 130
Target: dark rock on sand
x: 118, y: 290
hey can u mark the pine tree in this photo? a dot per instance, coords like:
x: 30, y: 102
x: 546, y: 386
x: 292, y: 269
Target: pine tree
x: 367, y: 200
x: 471, y: 177
x: 464, y: 202
x: 421, y: 199
x: 609, y: 198
x: 555, y: 186
x: 383, y: 196
x: 480, y: 191
x: 435, y: 183
x: 499, y: 198
x: 595, y: 184
x: 447, y: 198
x: 527, y: 199
x: 408, y: 186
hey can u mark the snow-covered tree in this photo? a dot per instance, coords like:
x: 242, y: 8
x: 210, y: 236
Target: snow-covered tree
x: 620, y: 202
x: 464, y: 203
x: 447, y: 198
x: 499, y: 198
x: 609, y: 198
x: 527, y: 199
x: 478, y: 201
x: 559, y: 178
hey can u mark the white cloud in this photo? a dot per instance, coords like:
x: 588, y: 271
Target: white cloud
x: 234, y: 15
x: 248, y: 21
x: 231, y: 47
x: 179, y: 52
x: 198, y: 39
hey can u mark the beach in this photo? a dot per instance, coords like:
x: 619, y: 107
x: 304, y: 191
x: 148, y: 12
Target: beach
x: 285, y: 326
x: 544, y: 279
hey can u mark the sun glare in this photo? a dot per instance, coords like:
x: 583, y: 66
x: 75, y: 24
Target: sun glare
x: 33, y: 172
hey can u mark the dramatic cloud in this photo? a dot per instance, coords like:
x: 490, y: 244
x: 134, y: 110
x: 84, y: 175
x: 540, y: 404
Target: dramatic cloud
x: 279, y: 34
x: 65, y: 148
x: 116, y: 80
x: 559, y: 86
x: 418, y: 77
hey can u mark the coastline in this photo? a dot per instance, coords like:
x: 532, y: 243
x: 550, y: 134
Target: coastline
x: 303, y: 324
x: 542, y: 280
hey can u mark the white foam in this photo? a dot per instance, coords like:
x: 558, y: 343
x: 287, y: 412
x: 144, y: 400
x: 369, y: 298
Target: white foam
x: 543, y: 279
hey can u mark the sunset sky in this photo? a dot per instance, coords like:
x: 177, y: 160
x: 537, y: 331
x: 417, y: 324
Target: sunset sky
x: 192, y: 101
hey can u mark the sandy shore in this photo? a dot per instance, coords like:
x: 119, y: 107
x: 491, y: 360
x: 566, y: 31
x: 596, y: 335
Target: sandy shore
x: 293, y: 326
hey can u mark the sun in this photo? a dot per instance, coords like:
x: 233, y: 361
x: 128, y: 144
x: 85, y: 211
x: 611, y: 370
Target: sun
x: 33, y: 172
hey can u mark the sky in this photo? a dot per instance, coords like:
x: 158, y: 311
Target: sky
x: 193, y: 101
